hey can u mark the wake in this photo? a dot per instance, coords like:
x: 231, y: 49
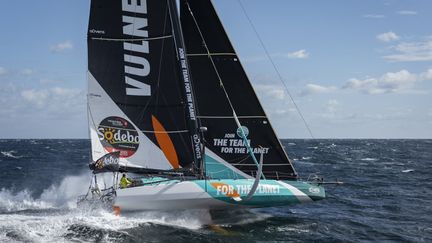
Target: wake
x: 55, y: 217
x: 56, y: 196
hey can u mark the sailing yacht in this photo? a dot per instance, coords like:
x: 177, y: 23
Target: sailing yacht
x: 170, y: 104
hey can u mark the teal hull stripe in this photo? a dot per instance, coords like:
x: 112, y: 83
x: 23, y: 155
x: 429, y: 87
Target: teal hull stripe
x: 269, y: 192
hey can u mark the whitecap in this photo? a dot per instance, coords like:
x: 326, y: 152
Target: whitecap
x: 369, y: 159
x: 10, y: 201
x: 63, y: 195
x: 407, y: 171
x: 10, y: 154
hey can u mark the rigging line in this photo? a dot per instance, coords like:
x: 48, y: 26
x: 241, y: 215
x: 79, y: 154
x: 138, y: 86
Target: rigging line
x: 275, y: 68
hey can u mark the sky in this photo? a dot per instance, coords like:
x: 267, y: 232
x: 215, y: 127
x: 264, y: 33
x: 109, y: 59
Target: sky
x: 355, y: 69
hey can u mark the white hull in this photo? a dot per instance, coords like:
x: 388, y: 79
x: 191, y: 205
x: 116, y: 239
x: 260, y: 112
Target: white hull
x: 183, y: 195
x: 215, y: 194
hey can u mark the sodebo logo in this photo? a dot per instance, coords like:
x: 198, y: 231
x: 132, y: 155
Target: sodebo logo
x: 118, y: 134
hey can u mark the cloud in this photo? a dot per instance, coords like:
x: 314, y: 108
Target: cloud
x: 56, y: 98
x: 38, y: 97
x: 332, y: 106
x: 406, y: 12
x: 271, y: 91
x: 426, y: 75
x: 3, y: 71
x: 374, y: 16
x: 300, y: 54
x: 397, y: 82
x: 401, y: 82
x: 387, y: 37
x: 49, y: 81
x: 61, y: 47
x: 27, y: 72
x: 412, y: 51
x: 317, y: 89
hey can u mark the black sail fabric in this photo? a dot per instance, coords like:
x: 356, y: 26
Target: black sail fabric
x: 201, y: 26
x: 132, y: 56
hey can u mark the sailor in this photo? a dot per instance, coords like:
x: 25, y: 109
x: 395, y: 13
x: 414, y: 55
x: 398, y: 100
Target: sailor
x: 124, y: 181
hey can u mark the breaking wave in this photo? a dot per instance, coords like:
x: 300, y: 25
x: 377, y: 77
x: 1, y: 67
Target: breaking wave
x: 54, y: 216
x: 56, y: 196
x: 10, y: 154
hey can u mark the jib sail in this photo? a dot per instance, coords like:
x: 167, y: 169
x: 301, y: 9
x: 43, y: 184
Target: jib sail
x: 214, y: 63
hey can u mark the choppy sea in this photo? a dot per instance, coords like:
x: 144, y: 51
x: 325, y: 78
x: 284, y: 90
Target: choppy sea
x: 387, y: 197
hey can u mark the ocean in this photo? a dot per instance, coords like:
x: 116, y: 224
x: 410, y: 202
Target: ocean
x: 387, y: 197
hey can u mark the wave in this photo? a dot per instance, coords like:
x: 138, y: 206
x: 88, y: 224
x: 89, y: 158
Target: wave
x: 407, y: 171
x: 10, y: 154
x: 63, y: 195
x: 55, y: 217
x: 20, y: 201
x: 97, y: 225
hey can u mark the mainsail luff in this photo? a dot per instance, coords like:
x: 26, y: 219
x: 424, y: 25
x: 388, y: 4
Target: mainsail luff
x: 218, y: 60
x: 186, y: 77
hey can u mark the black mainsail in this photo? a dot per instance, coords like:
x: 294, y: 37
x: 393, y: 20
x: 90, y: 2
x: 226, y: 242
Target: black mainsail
x: 137, y: 100
x: 218, y: 73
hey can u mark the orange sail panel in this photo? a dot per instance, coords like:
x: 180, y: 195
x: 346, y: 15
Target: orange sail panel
x: 165, y: 143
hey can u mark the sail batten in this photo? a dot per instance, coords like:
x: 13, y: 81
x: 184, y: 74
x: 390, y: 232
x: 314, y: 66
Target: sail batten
x: 132, y: 39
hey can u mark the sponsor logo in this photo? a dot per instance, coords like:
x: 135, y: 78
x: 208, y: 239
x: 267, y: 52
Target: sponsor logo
x: 134, y: 26
x: 238, y: 190
x: 118, y: 134
x: 107, y: 160
x: 230, y: 144
x: 227, y: 190
x: 245, y: 130
x: 190, y: 101
x: 314, y: 190
x: 93, y: 31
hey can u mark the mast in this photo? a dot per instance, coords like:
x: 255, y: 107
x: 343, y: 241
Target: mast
x: 186, y: 77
